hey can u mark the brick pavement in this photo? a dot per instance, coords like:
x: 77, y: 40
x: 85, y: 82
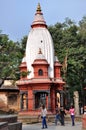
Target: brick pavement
x: 51, y: 126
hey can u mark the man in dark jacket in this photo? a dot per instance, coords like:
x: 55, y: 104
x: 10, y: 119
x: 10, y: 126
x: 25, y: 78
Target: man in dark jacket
x: 62, y: 115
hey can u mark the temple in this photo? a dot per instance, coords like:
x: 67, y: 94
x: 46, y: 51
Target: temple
x: 40, y: 81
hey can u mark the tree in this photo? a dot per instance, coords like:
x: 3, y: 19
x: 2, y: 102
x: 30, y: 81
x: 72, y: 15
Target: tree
x: 70, y: 41
x: 10, y: 58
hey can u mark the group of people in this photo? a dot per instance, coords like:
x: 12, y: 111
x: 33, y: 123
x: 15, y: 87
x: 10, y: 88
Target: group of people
x: 61, y: 112
x: 60, y: 115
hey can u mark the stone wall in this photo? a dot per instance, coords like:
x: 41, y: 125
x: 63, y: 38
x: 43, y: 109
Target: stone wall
x: 9, y: 101
x: 3, y: 101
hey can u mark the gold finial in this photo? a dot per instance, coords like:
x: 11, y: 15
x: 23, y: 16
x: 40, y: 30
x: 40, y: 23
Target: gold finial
x: 38, y: 8
x: 40, y: 52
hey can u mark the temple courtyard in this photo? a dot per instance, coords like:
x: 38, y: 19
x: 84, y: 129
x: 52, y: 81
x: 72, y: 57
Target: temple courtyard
x: 51, y: 126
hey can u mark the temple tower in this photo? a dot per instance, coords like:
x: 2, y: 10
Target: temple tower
x: 43, y: 84
x: 39, y: 37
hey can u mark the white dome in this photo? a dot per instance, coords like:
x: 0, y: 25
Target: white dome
x: 39, y: 37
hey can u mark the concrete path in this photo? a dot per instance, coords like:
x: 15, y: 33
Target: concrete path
x: 51, y: 126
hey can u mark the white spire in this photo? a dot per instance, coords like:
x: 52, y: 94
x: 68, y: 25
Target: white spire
x: 39, y: 37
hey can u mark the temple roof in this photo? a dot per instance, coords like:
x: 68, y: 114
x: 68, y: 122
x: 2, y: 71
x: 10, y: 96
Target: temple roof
x: 38, y: 19
x: 23, y: 63
x: 40, y: 58
x: 24, y: 58
x: 9, y: 85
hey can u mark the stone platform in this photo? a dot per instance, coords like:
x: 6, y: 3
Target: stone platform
x: 3, y: 126
x: 8, y: 118
x: 29, y: 119
x: 9, y: 122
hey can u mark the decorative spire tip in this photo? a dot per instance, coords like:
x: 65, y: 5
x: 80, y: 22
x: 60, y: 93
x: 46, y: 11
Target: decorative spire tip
x: 38, y: 8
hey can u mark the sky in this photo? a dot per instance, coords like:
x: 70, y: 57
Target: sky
x: 16, y: 16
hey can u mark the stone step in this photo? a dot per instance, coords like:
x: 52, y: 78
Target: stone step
x: 3, y: 126
x: 28, y: 119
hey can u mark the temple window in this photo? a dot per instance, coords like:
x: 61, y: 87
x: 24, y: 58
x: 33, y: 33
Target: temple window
x: 40, y: 72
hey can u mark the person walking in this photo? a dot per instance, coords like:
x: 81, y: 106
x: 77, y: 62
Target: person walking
x: 62, y: 115
x: 72, y: 114
x: 57, y: 116
x: 43, y: 116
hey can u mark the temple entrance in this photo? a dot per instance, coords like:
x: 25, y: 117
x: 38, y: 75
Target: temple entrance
x: 24, y: 101
x: 40, y: 99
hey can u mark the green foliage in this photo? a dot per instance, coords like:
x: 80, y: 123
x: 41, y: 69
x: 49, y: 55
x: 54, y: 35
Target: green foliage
x: 10, y: 58
x: 70, y: 40
x: 24, y: 73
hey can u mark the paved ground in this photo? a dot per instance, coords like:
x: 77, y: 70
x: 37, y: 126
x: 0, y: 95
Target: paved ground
x: 51, y: 126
